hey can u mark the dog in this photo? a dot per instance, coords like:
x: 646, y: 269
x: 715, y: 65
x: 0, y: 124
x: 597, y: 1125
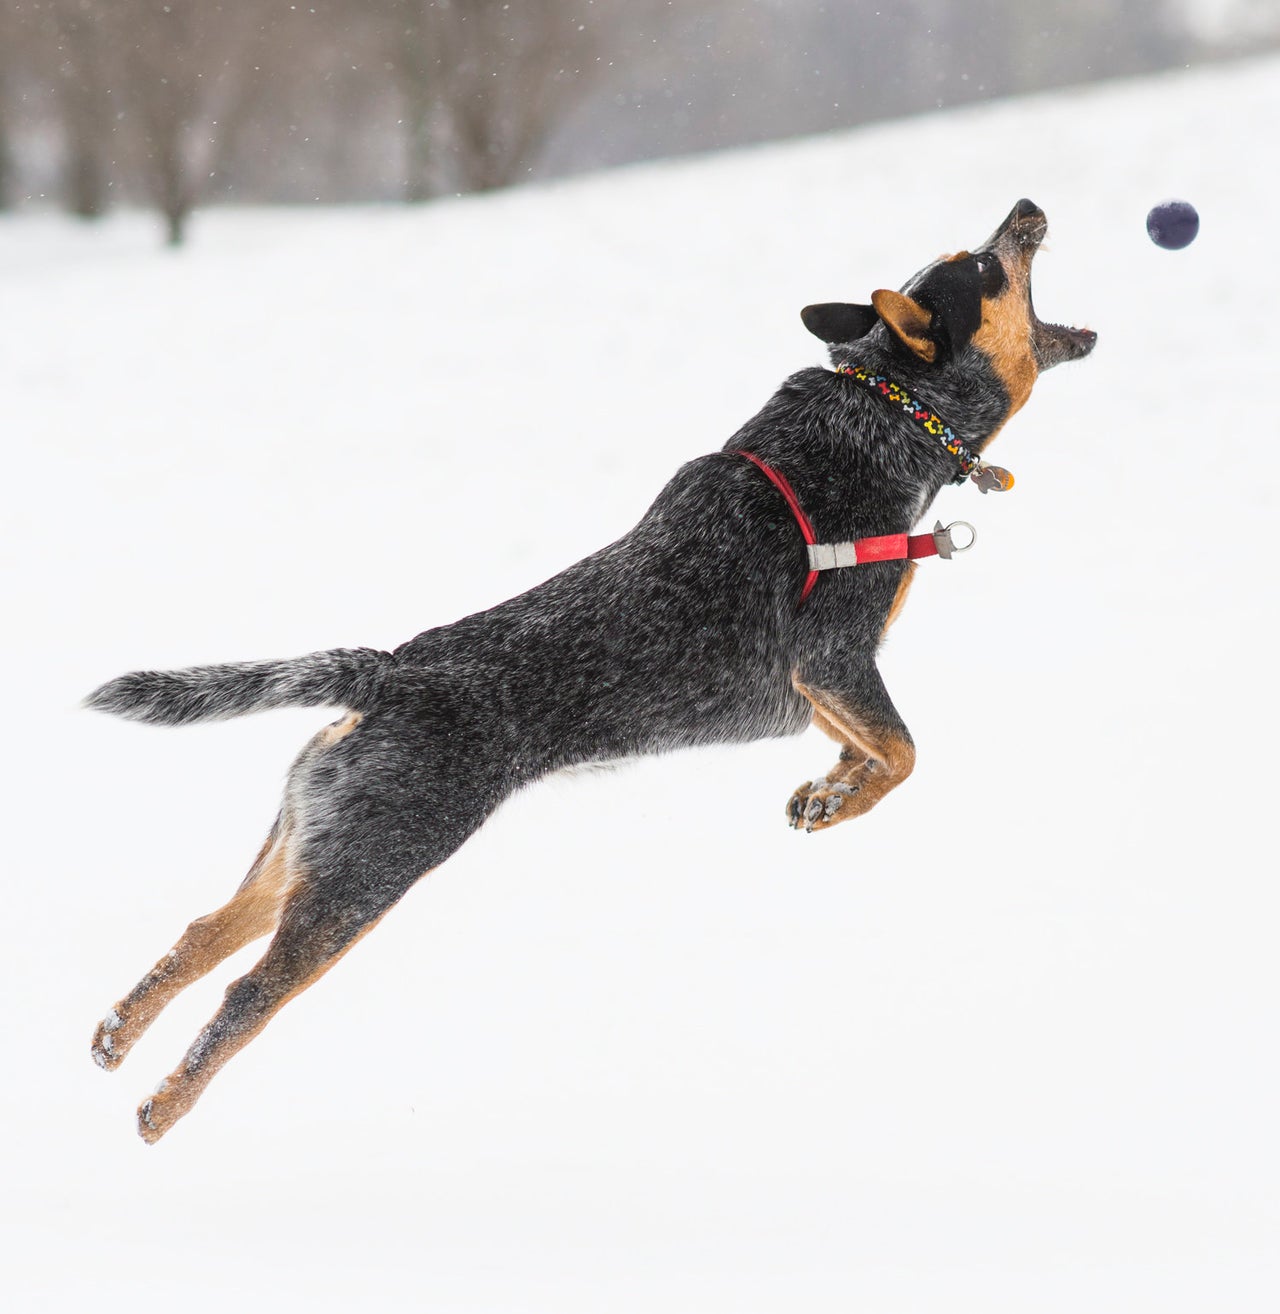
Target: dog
x: 719, y: 618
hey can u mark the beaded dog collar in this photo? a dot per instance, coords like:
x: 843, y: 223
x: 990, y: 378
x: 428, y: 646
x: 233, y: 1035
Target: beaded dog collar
x: 989, y: 478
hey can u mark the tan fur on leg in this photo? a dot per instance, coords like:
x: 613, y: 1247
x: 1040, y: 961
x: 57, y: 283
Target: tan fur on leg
x: 900, y: 598
x: 252, y: 912
x: 873, y: 760
x: 292, y: 962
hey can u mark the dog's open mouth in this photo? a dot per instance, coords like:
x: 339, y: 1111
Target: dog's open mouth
x: 1053, y: 343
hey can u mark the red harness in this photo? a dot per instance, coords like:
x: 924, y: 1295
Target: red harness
x: 887, y: 547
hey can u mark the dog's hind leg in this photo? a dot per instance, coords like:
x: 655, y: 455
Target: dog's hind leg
x: 372, y: 803
x: 252, y: 912
x: 371, y: 812
x: 319, y: 923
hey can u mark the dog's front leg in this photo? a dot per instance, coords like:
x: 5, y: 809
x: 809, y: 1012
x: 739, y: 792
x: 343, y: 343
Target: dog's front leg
x: 876, y: 752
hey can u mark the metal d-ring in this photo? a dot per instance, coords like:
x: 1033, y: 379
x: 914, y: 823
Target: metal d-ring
x: 947, y: 547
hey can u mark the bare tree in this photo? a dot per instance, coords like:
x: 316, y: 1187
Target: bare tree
x: 413, y: 51
x: 485, y: 82
x: 70, y: 38
x: 173, y: 102
x: 6, y: 151
x: 181, y: 66
x: 8, y: 44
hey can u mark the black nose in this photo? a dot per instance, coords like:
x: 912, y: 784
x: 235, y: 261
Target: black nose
x: 1025, y: 209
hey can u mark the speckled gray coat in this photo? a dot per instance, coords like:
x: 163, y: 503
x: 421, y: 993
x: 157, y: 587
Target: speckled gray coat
x: 687, y: 630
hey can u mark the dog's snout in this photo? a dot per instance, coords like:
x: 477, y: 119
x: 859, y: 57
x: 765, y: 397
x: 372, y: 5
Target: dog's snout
x: 1028, y: 221
x: 1023, y: 228
x: 1025, y: 225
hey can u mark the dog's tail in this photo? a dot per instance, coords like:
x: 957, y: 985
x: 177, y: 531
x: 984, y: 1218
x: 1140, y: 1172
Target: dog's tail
x: 340, y: 677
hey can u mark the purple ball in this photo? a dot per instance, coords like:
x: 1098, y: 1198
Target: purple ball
x: 1173, y: 224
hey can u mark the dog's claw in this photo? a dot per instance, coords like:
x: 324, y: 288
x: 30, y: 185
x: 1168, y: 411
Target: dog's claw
x: 154, y: 1115
x: 795, y: 804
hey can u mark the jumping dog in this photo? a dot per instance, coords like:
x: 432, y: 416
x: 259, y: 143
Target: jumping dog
x: 717, y: 619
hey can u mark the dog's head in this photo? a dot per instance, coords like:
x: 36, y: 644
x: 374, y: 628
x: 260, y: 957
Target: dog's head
x: 973, y: 302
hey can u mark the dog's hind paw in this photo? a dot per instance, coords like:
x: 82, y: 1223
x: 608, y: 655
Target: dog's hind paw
x: 156, y: 1114
x: 815, y: 804
x: 106, y: 1054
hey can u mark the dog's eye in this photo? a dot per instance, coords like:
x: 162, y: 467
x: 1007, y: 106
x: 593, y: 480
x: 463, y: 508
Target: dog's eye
x: 991, y: 274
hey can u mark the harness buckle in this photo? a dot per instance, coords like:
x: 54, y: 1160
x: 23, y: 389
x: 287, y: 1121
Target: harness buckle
x: 945, y: 544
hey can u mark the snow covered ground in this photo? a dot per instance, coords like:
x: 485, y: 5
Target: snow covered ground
x: 1006, y: 1044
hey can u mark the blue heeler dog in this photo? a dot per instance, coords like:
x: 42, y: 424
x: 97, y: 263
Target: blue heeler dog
x: 702, y: 625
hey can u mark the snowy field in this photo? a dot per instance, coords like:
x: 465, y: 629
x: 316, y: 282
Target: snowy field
x: 1006, y: 1044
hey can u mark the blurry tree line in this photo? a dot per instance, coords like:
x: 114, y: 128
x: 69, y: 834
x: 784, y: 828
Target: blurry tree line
x: 174, y: 103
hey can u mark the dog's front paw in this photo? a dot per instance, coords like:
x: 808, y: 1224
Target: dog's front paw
x: 817, y: 803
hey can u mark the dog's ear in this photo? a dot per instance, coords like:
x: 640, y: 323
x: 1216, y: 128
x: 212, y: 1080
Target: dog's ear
x: 944, y: 314
x: 908, y: 321
x: 835, y: 321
